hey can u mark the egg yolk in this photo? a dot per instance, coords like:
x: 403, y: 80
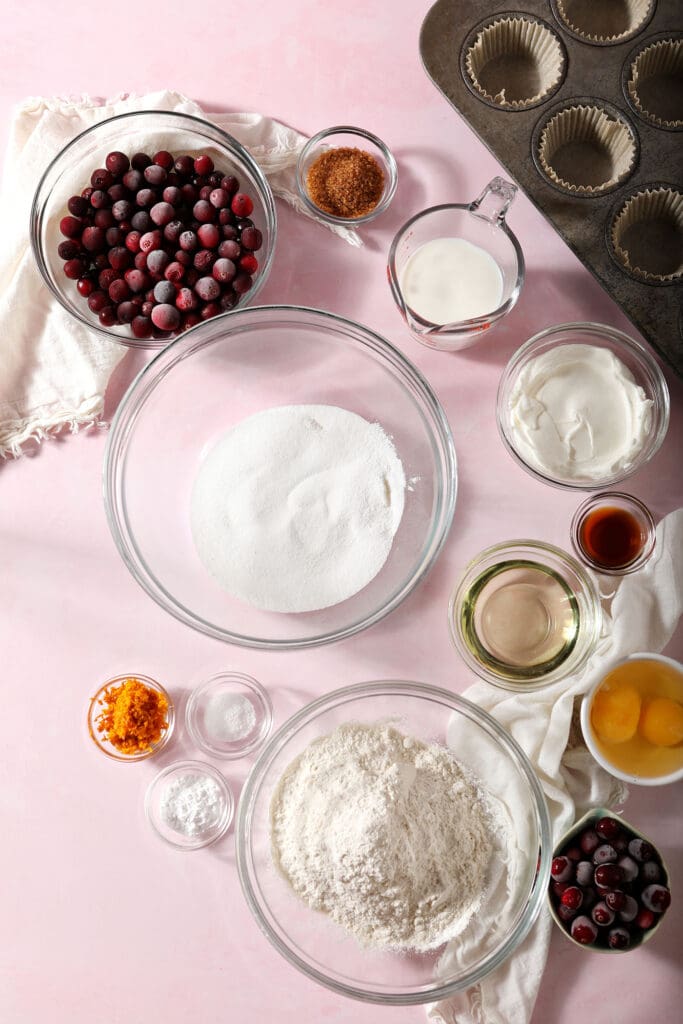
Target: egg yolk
x: 661, y: 722
x: 615, y: 713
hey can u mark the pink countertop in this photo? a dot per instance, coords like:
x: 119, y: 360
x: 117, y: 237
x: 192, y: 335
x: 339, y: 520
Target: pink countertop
x: 101, y: 922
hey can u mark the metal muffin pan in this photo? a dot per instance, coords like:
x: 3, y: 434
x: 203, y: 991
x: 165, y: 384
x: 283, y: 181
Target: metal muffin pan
x: 592, y: 73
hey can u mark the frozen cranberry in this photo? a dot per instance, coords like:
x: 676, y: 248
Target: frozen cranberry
x: 114, y: 237
x: 85, y: 286
x: 629, y: 868
x: 184, y: 166
x: 93, y: 239
x: 162, y: 213
x: 119, y: 291
x: 251, y: 238
x: 146, y: 197
x: 132, y: 242
x: 249, y: 264
x: 629, y: 910
x: 229, y: 250
x: 164, y: 291
x: 146, y: 308
x: 120, y: 257
x: 101, y: 261
x: 618, y: 938
x: 209, y: 309
x: 604, y: 854
x: 74, y: 269
x: 609, y: 876
x: 173, y: 230
x: 174, y: 272
x: 224, y: 271
x: 645, y: 919
x: 584, y: 930
x: 99, y: 200
x: 183, y: 258
x: 117, y: 163
x: 616, y: 899
x: 185, y: 299
x: 641, y: 849
x: 152, y: 240
x: 572, y: 897
x: 650, y: 871
x: 203, y: 164
x: 190, y: 193
x: 219, y: 198
x: 166, y: 317
x: 209, y: 236
x: 122, y: 210
x: 101, y: 178
x: 104, y: 219
x: 140, y: 260
x: 136, y: 280
x: 87, y: 192
x: 242, y: 283
x: 205, y: 193
x: 584, y: 872
x: 71, y: 227
x: 565, y: 913
x: 133, y: 180
x: 602, y: 915
x: 173, y: 195
x: 656, y: 897
x: 107, y: 277
x: 241, y: 204
x: 204, y: 260
x: 68, y: 249
x: 561, y: 868
x: 191, y: 277
x: 141, y: 326
x: 207, y: 289
x: 589, y: 840
x: 188, y: 241
x: 140, y: 160
x: 204, y: 211
x: 226, y: 218
x: 157, y: 261
x: 126, y: 311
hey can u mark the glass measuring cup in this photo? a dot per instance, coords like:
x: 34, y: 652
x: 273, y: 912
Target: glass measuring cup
x: 481, y: 222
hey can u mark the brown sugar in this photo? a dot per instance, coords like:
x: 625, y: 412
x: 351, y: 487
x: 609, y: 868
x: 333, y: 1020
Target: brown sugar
x: 345, y: 182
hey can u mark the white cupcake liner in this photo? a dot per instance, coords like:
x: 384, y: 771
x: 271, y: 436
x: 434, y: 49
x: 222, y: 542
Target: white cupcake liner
x: 490, y: 62
x: 660, y: 60
x: 598, y: 22
x: 601, y: 142
x: 659, y: 207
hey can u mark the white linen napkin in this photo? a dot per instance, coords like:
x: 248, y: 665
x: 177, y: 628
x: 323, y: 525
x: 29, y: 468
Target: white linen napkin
x: 644, y: 612
x: 53, y: 370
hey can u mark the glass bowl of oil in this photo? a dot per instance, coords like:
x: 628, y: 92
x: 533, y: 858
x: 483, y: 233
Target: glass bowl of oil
x: 524, y: 614
x: 632, y: 720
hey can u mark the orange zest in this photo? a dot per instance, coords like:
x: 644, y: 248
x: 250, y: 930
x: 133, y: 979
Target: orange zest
x: 134, y: 716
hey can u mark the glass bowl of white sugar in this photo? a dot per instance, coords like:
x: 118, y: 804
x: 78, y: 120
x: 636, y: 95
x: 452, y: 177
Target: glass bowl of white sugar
x: 280, y: 477
x: 582, y: 406
x: 189, y: 805
x: 393, y: 842
x: 229, y: 715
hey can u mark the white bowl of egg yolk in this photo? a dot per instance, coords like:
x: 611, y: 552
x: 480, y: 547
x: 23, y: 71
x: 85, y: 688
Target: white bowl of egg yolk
x: 632, y: 720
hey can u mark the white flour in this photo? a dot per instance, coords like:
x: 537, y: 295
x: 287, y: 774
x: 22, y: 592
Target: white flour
x: 296, y: 508
x: 389, y: 836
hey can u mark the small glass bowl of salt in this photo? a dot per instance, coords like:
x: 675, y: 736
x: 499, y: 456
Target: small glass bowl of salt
x: 229, y: 715
x: 189, y: 805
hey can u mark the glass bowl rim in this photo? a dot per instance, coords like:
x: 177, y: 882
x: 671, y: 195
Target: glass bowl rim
x: 473, y: 322
x: 603, y: 498
x: 454, y: 703
x: 143, y: 754
x: 650, y: 369
x: 182, y: 119
x: 164, y: 361
x: 590, y: 590
x: 199, y: 767
x: 361, y: 133
x: 246, y: 748
x: 587, y: 731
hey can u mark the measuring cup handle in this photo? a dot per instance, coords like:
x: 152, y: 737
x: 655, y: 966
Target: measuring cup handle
x: 494, y: 201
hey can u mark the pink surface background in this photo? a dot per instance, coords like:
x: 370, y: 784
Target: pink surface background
x: 100, y: 921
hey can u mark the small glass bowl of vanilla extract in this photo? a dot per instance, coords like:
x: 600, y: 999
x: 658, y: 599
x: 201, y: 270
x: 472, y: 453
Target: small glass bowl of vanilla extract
x: 613, y: 533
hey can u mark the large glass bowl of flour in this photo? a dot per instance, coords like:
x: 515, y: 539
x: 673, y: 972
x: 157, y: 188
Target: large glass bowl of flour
x: 208, y: 383
x: 513, y: 850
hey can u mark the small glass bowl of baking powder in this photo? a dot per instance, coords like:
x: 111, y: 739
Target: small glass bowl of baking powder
x: 229, y: 715
x: 353, y: 179
x: 189, y: 805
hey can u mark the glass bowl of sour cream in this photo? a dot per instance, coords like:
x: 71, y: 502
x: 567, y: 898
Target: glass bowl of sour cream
x: 582, y: 405
x: 279, y: 477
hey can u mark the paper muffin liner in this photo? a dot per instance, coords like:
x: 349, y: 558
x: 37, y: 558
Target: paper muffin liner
x: 515, y: 62
x: 585, y: 150
x: 604, y: 23
x: 654, y: 83
x: 647, y: 235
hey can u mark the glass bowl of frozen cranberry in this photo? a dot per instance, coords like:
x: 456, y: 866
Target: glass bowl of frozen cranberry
x: 609, y: 887
x: 346, y: 175
x: 150, y: 222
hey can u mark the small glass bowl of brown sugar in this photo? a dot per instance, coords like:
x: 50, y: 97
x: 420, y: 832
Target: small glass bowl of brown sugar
x: 346, y: 175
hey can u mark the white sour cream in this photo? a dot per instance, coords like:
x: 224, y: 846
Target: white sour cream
x: 577, y: 414
x: 448, y: 280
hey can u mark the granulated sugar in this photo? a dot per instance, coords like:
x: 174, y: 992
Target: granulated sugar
x: 296, y: 508
x: 388, y: 835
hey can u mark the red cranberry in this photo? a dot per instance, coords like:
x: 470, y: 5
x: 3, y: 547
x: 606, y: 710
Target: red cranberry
x: 152, y: 240
x: 602, y: 915
x: 166, y: 317
x: 616, y: 899
x: 226, y: 218
x: 114, y: 237
x: 87, y: 192
x: 191, y: 320
x: 119, y: 291
x: 561, y: 868
x: 118, y: 163
x: 107, y: 277
x: 71, y: 227
x: 164, y: 159
x: 229, y: 249
x: 609, y: 876
x: 559, y: 887
x: 224, y: 271
x: 608, y: 828
x: 251, y: 238
x: 204, y: 260
x: 656, y: 897
x: 78, y: 206
x: 99, y: 200
x: 203, y: 211
x: 119, y: 257
x: 97, y: 300
x: 203, y: 164
x: 136, y: 280
x: 242, y: 283
x: 174, y: 272
x: 126, y: 311
x: 228, y: 300
x: 209, y: 236
x: 107, y: 316
x: 146, y: 308
x: 185, y: 299
x: 241, y: 205
x: 188, y: 241
x: 68, y: 249
x: 162, y: 213
x: 618, y: 938
x: 183, y: 258
x: 184, y: 165
x: 572, y: 897
x: 141, y: 326
x: 132, y: 242
x: 645, y: 919
x: 101, y: 178
x: 85, y: 286
x: 140, y: 160
x: 209, y: 309
x: 230, y: 184
x: 589, y: 840
x: 205, y: 193
x: 104, y: 219
x: 583, y: 930
x: 74, y: 269
x: 249, y: 264
x: 93, y: 239
x: 140, y: 260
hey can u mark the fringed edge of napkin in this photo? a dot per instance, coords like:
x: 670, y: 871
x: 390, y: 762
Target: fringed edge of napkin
x: 17, y: 433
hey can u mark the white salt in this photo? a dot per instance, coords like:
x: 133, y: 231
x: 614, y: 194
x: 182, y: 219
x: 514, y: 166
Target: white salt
x: 229, y: 717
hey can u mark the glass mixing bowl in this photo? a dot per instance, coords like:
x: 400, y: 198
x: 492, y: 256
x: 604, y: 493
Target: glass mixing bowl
x: 214, y: 376
x: 520, y: 870
x: 146, y: 131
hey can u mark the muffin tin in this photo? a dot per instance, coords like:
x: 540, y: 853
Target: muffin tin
x: 580, y: 102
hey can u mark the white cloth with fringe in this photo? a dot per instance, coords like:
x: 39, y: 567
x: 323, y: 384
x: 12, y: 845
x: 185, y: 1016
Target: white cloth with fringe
x: 53, y: 370
x: 641, y: 616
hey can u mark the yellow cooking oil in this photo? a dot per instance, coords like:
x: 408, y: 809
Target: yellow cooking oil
x: 637, y: 717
